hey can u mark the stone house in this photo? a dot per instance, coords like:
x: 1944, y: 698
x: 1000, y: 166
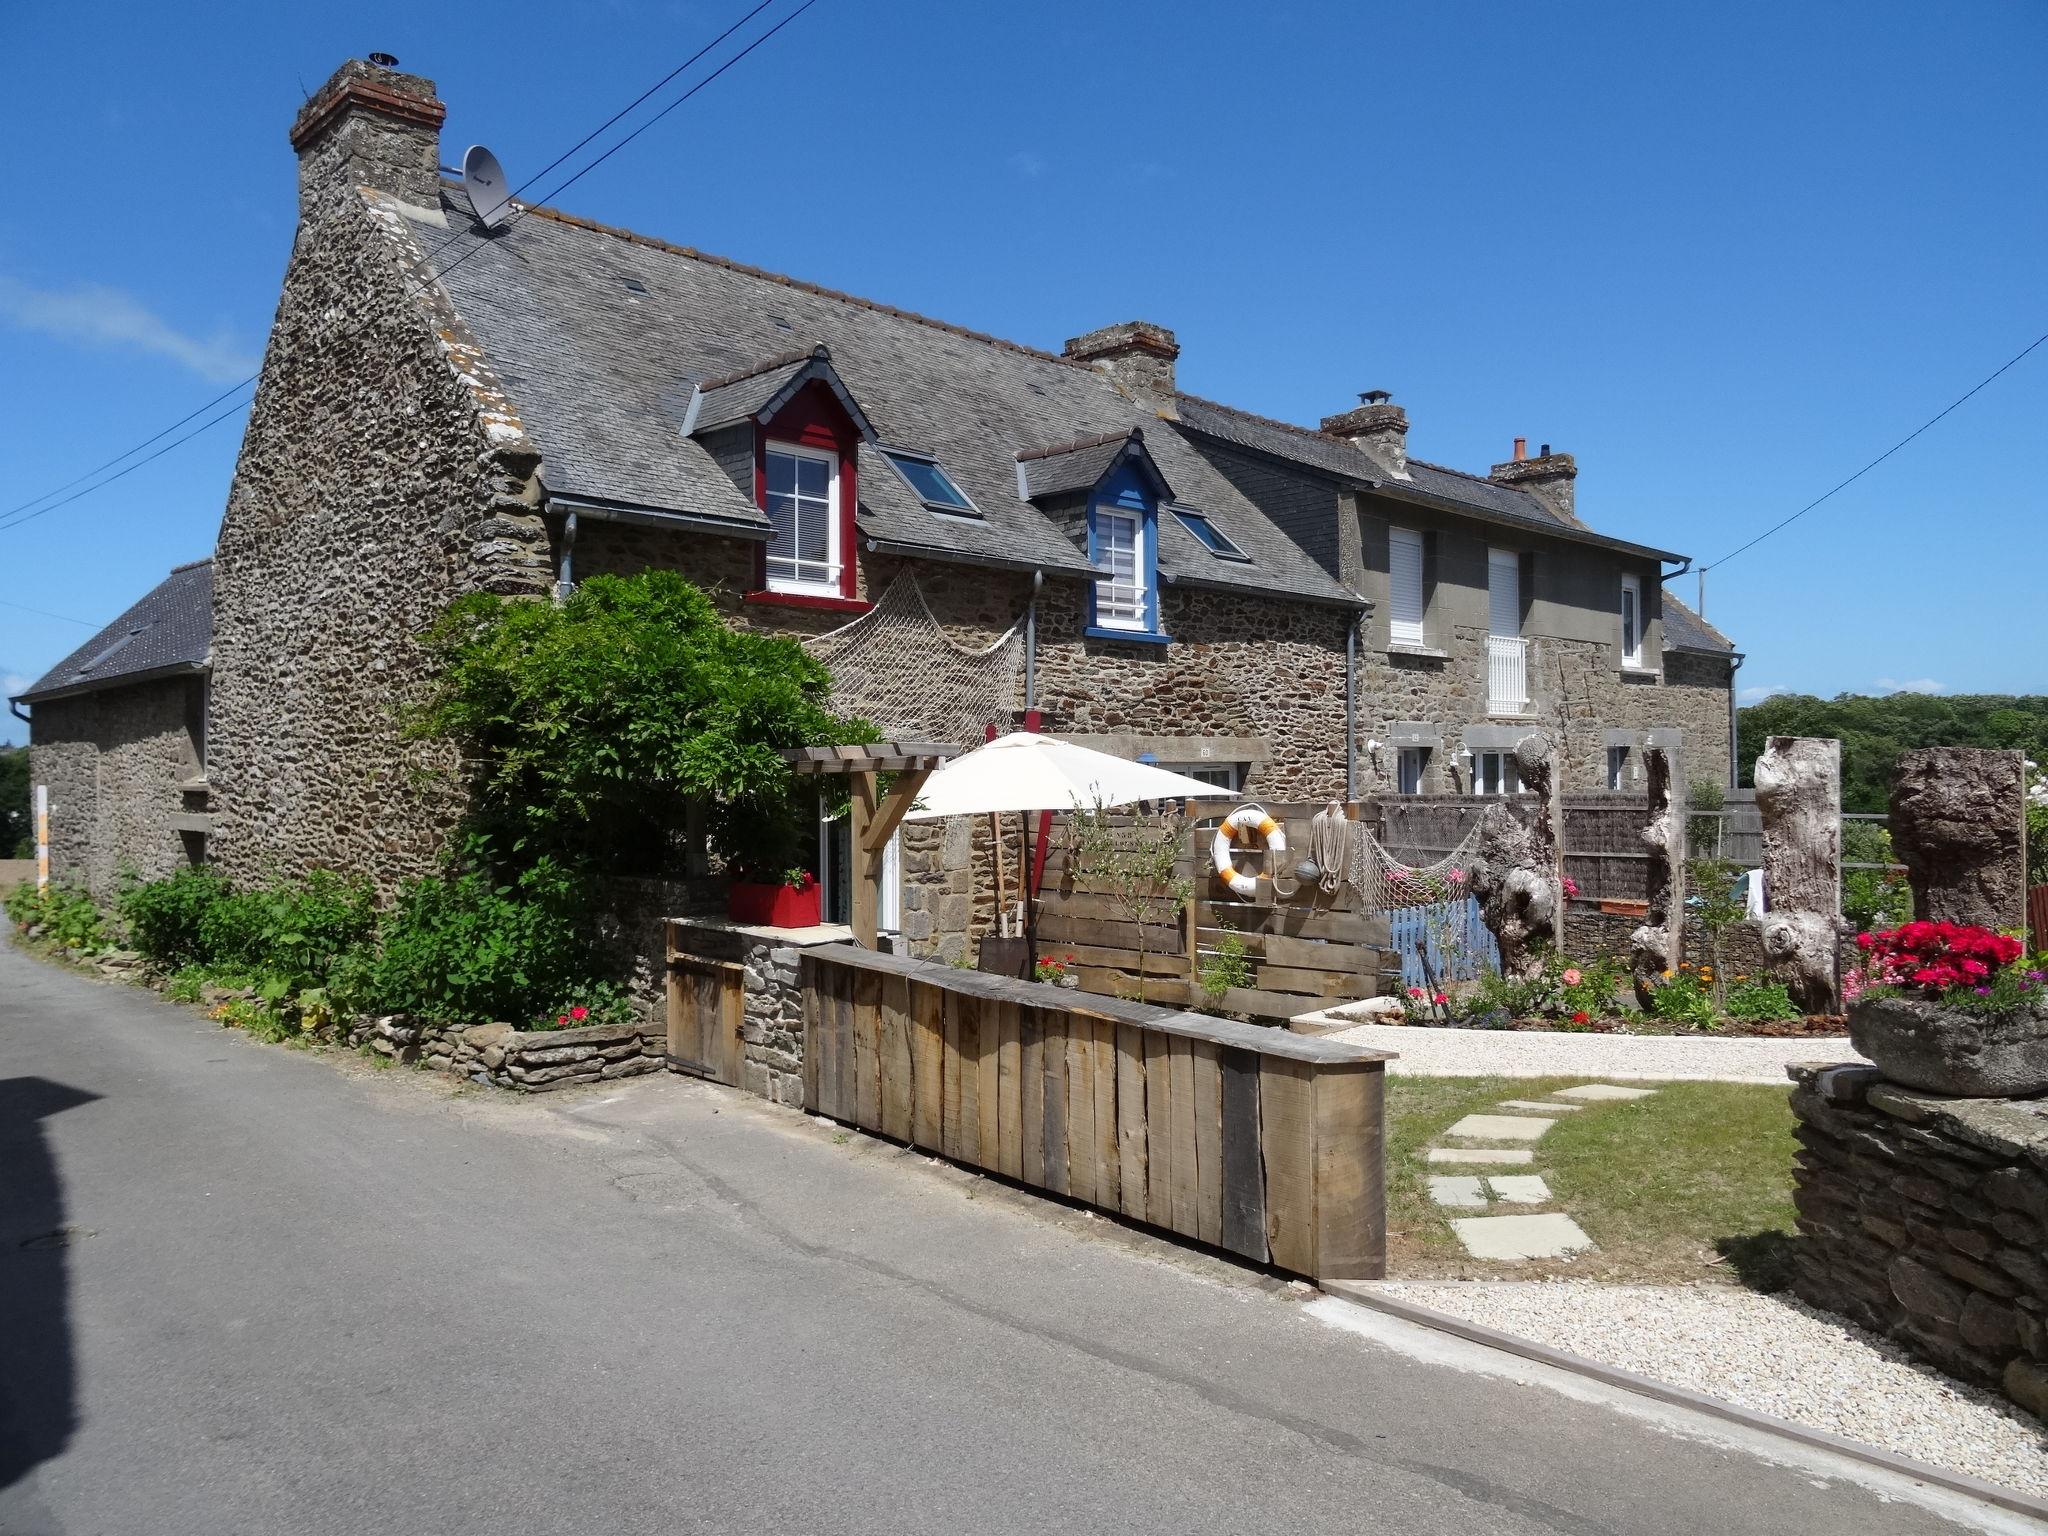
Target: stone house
x: 980, y: 533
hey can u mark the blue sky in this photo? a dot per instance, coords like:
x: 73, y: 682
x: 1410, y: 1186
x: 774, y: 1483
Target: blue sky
x: 1722, y: 254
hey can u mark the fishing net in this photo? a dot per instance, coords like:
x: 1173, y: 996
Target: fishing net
x: 896, y: 667
x: 1386, y: 883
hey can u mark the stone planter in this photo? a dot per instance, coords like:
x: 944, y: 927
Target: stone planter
x: 1944, y: 1050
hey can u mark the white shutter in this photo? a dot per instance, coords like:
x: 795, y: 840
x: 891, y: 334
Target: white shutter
x: 1404, y: 583
x: 1504, y: 592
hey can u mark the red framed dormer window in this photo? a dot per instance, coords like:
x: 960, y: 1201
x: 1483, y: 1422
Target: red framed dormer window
x: 804, y: 482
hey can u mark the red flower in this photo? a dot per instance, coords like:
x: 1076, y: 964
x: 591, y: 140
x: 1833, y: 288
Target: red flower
x: 579, y: 1013
x: 1582, y: 1017
x: 561, y: 1018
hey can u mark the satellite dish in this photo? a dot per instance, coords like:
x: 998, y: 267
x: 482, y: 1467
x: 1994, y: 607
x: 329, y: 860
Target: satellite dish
x: 484, y: 179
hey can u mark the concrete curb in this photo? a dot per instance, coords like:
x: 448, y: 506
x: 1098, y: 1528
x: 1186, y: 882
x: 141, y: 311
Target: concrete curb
x: 1903, y: 1466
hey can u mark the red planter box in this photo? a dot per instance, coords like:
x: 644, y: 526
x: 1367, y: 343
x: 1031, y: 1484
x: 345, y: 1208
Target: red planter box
x: 774, y: 906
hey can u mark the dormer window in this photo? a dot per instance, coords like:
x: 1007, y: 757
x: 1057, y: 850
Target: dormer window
x: 1123, y: 598
x: 800, y: 493
x: 1214, y: 539
x: 934, y: 487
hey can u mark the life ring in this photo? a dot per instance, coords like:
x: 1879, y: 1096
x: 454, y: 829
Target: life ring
x: 1247, y: 821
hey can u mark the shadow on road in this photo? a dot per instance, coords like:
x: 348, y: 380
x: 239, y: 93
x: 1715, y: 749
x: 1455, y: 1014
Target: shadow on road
x: 38, y: 1376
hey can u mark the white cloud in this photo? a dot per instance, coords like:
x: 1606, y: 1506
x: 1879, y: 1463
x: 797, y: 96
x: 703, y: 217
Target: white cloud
x: 1909, y: 685
x: 109, y: 317
x: 1763, y: 691
x: 1026, y: 164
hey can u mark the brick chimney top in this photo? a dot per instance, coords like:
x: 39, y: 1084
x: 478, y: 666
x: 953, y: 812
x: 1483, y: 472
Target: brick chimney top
x: 1548, y: 477
x: 1137, y: 355
x: 1377, y: 427
x: 370, y: 125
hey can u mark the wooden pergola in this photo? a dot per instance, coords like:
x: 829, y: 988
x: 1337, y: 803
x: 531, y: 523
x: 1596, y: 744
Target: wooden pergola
x: 875, y: 817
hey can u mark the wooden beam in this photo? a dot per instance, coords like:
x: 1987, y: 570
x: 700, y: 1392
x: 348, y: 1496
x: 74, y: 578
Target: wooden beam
x: 866, y: 894
x: 889, y: 816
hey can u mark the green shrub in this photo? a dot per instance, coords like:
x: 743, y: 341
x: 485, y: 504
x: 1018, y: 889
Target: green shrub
x: 67, y: 915
x: 164, y: 917
x: 1226, y: 967
x: 585, y: 1004
x: 1685, y: 997
x: 1761, y: 1002
x: 296, y: 930
x: 466, y: 948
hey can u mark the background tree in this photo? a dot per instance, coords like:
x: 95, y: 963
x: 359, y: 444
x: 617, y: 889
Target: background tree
x: 588, y: 728
x: 1874, y: 731
x: 17, y: 820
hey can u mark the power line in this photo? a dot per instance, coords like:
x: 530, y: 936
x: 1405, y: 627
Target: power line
x: 762, y: 5
x: 45, y: 613
x: 1895, y: 447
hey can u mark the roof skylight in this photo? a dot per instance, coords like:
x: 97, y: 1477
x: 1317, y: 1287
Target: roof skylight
x: 1214, y: 539
x: 934, y: 487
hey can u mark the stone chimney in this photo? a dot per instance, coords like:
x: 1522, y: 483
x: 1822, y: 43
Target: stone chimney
x: 369, y: 126
x: 1548, y: 477
x: 1138, y: 357
x: 1378, y: 427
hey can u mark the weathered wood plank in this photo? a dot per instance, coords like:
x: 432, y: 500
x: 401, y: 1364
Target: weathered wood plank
x: 1351, y: 1223
x: 899, y: 1080
x: 1287, y: 978
x: 1031, y: 1088
x: 1316, y: 954
x: 1244, y: 1180
x: 1055, y: 928
x: 1187, y: 1214
x: 988, y: 1086
x: 928, y: 1065
x: 1081, y: 1161
x: 1110, y: 957
x: 1208, y: 1142
x: 1053, y: 1132
x: 970, y: 1010
x: 949, y: 1083
x: 1287, y: 1131
x: 1009, y: 1092
x: 867, y: 1043
x: 842, y: 1045
x: 809, y: 978
x: 1108, y: 1159
x: 1160, y: 991
x: 1133, y: 1177
x: 1159, y: 1128
x: 1295, y: 922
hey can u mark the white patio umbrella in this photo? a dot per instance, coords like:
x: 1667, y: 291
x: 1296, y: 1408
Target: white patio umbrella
x: 1027, y: 772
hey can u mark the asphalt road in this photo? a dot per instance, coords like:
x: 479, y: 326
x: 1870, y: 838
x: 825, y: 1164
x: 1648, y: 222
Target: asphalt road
x: 296, y: 1294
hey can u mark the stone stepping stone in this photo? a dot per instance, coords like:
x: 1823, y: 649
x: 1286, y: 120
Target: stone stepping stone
x: 1519, y: 1188
x: 1500, y: 1127
x: 1509, y: 1238
x: 1541, y: 1108
x: 1460, y: 1193
x: 1595, y: 1093
x: 1481, y: 1155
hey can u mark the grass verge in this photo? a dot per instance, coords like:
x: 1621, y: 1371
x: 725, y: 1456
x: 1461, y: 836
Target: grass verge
x: 1691, y: 1184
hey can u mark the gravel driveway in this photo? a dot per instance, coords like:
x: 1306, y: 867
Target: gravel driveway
x: 1429, y: 1052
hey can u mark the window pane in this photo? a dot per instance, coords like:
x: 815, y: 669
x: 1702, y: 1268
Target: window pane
x: 781, y: 473
x: 813, y: 531
x: 782, y: 517
x: 929, y: 481
x: 813, y: 476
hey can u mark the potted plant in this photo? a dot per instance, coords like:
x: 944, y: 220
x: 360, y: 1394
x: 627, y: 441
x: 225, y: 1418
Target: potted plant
x: 1948, y: 1008
x: 792, y: 901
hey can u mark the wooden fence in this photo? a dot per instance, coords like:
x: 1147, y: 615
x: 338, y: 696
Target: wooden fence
x: 1304, y: 953
x: 1261, y: 1142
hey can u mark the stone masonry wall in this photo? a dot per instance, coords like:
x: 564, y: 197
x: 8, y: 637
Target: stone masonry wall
x: 1926, y: 1219
x: 113, y: 760
x: 377, y: 481
x: 531, y: 1061
x: 772, y: 1024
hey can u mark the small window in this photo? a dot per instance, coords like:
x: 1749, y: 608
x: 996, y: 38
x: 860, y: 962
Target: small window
x: 1409, y: 769
x: 802, y: 494
x: 1617, y: 768
x: 1631, y: 622
x: 1496, y: 773
x: 1121, y: 598
x: 934, y: 487
x: 1222, y: 775
x: 1405, y: 600
x: 1213, y: 538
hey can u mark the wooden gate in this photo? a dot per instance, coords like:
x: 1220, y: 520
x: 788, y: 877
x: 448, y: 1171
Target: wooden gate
x: 705, y: 1002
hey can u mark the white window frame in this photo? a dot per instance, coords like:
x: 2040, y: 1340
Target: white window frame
x: 1113, y: 598
x: 1632, y: 622
x: 827, y: 585
x: 1617, y: 768
x: 1495, y: 773
x: 1411, y: 770
x: 1225, y: 776
x: 1402, y: 631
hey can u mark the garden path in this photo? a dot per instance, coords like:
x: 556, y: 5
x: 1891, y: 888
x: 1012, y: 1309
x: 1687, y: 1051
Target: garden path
x: 1426, y: 1051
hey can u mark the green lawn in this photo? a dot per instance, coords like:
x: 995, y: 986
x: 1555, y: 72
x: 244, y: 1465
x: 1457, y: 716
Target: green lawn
x: 1692, y: 1183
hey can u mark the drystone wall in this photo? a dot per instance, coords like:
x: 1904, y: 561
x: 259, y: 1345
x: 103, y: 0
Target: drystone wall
x: 380, y: 477
x: 531, y: 1061
x: 113, y: 760
x: 1925, y: 1219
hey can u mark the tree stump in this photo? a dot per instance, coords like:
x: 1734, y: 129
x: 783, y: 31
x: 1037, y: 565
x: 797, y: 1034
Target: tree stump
x: 1654, y: 947
x: 1799, y: 794
x: 1959, y: 825
x: 1513, y: 871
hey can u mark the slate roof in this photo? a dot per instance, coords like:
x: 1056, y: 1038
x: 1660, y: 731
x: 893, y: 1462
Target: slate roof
x: 1685, y: 630
x: 602, y: 376
x: 1080, y: 466
x: 171, y: 628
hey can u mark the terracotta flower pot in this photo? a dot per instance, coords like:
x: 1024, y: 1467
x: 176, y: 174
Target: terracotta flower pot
x: 1946, y: 1050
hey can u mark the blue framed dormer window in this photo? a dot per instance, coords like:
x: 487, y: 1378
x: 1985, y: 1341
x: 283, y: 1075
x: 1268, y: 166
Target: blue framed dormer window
x: 1123, y: 541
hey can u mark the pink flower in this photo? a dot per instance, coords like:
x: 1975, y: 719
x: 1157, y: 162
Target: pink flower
x: 561, y: 1018
x: 579, y: 1013
x: 1415, y: 992
x: 1457, y: 877
x: 1573, y: 977
x: 1439, y: 999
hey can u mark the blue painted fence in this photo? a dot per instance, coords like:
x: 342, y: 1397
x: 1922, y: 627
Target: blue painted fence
x: 1458, y: 943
